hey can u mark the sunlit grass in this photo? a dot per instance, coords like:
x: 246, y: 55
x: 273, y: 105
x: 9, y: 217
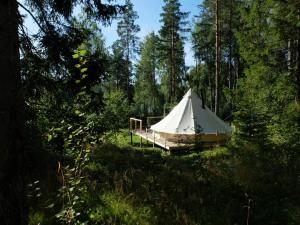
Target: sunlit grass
x: 119, y: 209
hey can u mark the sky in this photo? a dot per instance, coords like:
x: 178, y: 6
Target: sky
x: 149, y: 16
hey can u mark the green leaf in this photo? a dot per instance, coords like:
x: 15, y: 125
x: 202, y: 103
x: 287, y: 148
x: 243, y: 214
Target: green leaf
x: 49, y: 137
x: 83, y: 70
x: 77, y: 112
x: 81, y: 93
x: 77, y: 81
x: 77, y: 65
x: 82, y: 52
x: 75, y: 56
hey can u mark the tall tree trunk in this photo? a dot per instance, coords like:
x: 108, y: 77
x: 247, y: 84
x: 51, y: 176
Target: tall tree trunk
x: 128, y: 78
x: 218, y: 58
x: 230, y: 77
x: 297, y: 74
x: 230, y: 48
x: 173, y: 95
x: 212, y: 94
x: 11, y: 119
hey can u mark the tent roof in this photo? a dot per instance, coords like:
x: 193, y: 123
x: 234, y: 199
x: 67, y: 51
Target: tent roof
x: 188, y: 117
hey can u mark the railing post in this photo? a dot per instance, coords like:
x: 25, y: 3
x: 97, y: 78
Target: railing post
x: 130, y: 124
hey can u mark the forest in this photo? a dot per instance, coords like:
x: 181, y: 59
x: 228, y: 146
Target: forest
x: 66, y: 98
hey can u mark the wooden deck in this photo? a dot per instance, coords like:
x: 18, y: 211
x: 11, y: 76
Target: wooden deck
x: 157, y: 140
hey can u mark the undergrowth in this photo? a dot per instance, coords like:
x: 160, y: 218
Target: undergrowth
x: 131, y: 185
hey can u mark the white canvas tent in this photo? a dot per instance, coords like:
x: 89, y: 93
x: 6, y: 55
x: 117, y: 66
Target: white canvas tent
x: 189, y: 118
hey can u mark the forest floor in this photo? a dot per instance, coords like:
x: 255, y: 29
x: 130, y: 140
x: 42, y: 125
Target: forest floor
x: 132, y: 185
x: 148, y: 186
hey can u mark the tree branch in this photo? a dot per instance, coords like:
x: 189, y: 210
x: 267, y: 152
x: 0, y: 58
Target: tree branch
x: 33, y: 17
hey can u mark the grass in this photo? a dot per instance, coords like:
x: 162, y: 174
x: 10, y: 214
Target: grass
x: 118, y: 209
x: 129, y: 185
x: 169, y: 189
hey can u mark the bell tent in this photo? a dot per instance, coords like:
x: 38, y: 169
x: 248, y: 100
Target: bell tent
x: 190, y: 119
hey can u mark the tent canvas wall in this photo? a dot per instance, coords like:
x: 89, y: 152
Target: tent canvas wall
x: 189, y: 119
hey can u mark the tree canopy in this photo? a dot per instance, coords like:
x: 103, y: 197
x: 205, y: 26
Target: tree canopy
x: 66, y: 96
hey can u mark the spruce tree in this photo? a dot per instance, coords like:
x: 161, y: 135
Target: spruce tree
x: 270, y: 84
x: 172, y: 48
x: 127, y: 30
x: 117, y: 79
x: 146, y: 89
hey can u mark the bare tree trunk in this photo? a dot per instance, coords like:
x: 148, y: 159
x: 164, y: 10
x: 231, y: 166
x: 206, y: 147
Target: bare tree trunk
x: 212, y: 94
x: 171, y: 83
x: 11, y: 119
x: 128, y: 78
x: 218, y: 58
x: 173, y: 95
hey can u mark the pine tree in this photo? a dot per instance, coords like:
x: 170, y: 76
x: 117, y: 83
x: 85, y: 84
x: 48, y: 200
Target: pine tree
x: 146, y: 89
x: 172, y: 48
x: 127, y: 30
x: 204, y: 46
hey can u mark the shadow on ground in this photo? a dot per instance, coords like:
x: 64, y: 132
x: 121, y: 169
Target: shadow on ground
x: 170, y: 189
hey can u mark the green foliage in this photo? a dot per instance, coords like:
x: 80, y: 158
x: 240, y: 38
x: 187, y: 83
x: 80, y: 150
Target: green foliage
x: 168, y: 189
x: 202, y: 76
x: 80, y: 134
x: 116, y: 111
x: 127, y: 31
x: 266, y: 94
x: 215, y: 153
x: 117, y: 209
x: 36, y: 218
x: 147, y: 97
x: 101, y: 179
x: 117, y: 72
x: 171, y: 49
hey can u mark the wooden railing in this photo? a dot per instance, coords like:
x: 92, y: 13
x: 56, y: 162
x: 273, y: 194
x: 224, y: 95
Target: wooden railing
x: 138, y: 124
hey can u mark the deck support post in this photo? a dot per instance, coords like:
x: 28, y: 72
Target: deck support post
x: 131, y: 138
x: 147, y: 136
x: 153, y: 139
